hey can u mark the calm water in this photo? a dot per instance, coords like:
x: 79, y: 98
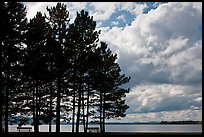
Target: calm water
x: 126, y: 128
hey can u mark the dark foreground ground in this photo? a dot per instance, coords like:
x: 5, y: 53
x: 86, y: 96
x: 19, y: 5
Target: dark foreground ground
x: 118, y: 134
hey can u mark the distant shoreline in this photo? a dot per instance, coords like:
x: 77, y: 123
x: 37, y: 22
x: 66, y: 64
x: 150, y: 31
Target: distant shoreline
x: 181, y: 122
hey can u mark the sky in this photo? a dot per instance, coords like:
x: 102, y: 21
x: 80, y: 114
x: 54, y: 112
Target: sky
x: 159, y: 45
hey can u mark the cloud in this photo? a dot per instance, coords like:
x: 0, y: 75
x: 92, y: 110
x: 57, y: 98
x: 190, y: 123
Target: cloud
x: 34, y: 7
x: 162, y: 53
x: 102, y: 10
x: 115, y: 23
x: 134, y: 8
x: 157, y: 40
x: 187, y: 65
x: 181, y: 115
x: 170, y: 20
x: 73, y: 8
x: 163, y: 97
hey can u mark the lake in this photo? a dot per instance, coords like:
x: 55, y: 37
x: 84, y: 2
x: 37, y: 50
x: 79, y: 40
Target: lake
x: 137, y: 128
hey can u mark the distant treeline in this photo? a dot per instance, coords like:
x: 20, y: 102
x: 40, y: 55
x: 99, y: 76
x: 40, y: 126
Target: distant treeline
x: 181, y: 122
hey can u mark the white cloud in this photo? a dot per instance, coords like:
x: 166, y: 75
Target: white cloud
x: 102, y: 10
x: 159, y: 39
x: 134, y: 8
x: 115, y: 23
x: 181, y: 115
x: 76, y: 6
x: 163, y: 97
x: 175, y: 45
x: 34, y: 7
x: 73, y: 8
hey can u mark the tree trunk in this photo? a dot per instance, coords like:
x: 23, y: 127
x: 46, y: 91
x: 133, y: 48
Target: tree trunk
x: 1, y: 109
x: 34, y: 98
x: 73, y: 111
x: 83, y: 110
x: 1, y: 94
x: 7, y: 100
x: 104, y: 101
x: 87, y: 109
x: 50, y: 113
x: 58, y: 105
x: 74, y: 95
x: 78, y: 111
x: 36, y: 122
x: 101, y: 108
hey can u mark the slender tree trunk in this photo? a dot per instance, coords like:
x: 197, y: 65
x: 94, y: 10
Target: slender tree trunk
x: 1, y: 108
x: 104, y: 101
x: 87, y: 109
x: 50, y: 113
x: 58, y: 104
x: 80, y: 92
x: 58, y: 80
x: 7, y: 100
x: 1, y: 90
x: 74, y: 98
x: 34, y: 107
x: 83, y: 109
x: 1, y: 113
x: 36, y: 123
x: 79, y: 102
x: 1, y: 118
x: 78, y: 110
x: 40, y: 88
x: 100, y: 116
x: 73, y: 111
x: 1, y: 94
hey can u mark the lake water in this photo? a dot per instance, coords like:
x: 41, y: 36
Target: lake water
x: 149, y: 128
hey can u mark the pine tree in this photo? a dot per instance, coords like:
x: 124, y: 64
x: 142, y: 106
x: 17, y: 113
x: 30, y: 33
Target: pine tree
x: 51, y: 48
x: 14, y: 23
x: 58, y: 19
x: 83, y: 39
x: 108, y: 80
x: 36, y: 60
x: 3, y: 33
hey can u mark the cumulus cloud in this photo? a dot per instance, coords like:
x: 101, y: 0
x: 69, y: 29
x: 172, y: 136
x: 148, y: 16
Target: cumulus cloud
x: 102, y: 10
x: 181, y: 115
x: 170, y: 20
x: 163, y: 97
x: 159, y: 39
x: 162, y: 49
x: 134, y: 8
x: 34, y: 7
